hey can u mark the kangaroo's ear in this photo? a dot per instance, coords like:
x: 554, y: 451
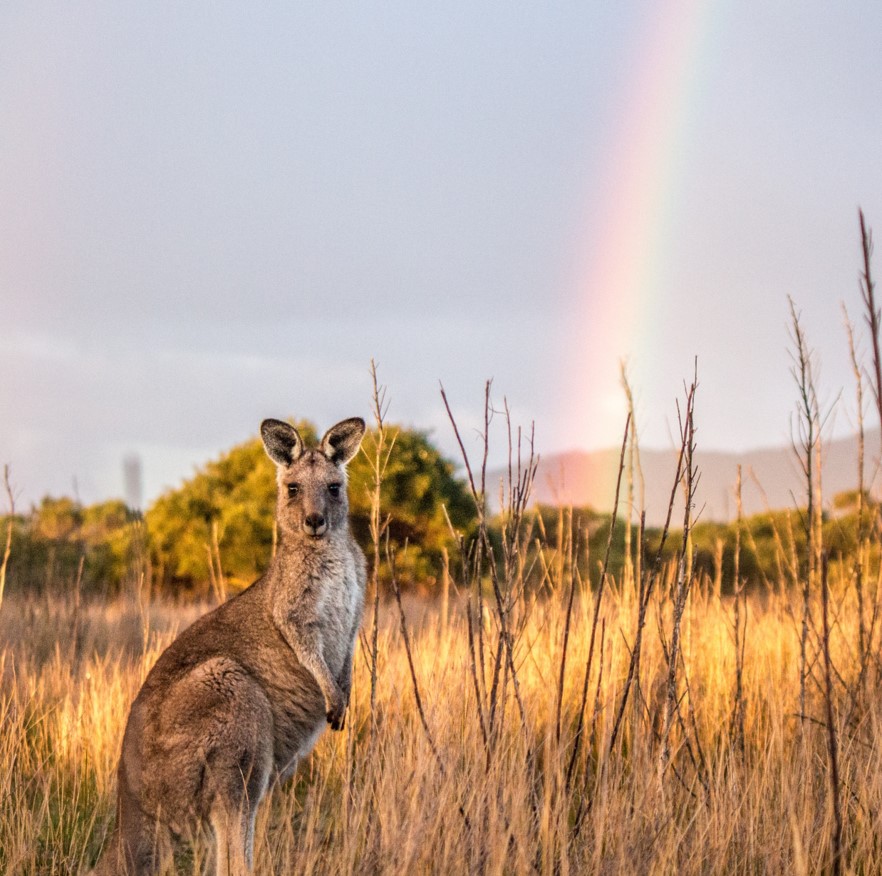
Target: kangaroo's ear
x: 341, y: 442
x: 282, y: 442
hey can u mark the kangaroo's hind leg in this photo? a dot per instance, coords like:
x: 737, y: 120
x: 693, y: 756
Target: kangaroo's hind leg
x: 233, y: 817
x: 233, y: 853
x: 139, y: 845
x: 238, y: 767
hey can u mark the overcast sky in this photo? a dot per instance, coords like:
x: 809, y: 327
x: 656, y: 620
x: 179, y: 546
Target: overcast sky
x: 215, y: 213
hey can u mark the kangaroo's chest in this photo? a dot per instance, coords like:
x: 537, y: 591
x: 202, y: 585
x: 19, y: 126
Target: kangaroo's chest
x: 325, y: 610
x: 320, y: 610
x: 336, y: 609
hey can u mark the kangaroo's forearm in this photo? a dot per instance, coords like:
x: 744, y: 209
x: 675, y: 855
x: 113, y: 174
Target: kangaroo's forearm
x: 306, y: 643
x: 344, y: 679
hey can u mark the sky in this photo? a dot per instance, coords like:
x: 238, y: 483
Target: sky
x: 214, y: 213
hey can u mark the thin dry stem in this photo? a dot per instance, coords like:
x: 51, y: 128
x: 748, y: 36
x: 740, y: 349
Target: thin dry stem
x: 10, y: 520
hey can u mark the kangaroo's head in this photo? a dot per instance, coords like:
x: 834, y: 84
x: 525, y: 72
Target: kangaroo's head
x: 312, y: 501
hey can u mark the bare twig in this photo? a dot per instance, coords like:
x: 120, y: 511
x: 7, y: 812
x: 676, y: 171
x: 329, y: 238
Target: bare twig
x: 684, y: 562
x: 574, y: 580
x: 215, y: 566
x: 858, y: 567
x: 740, y: 626
x: 872, y: 315
x: 629, y: 573
x: 832, y: 744
x: 805, y: 449
x: 378, y: 460
x: 10, y: 520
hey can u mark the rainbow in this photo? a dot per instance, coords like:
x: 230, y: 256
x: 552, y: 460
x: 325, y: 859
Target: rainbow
x: 632, y: 203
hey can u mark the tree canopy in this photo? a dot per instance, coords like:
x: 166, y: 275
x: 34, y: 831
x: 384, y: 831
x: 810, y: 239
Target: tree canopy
x: 51, y: 541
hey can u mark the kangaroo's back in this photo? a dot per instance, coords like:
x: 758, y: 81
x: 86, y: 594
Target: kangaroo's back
x: 242, y: 695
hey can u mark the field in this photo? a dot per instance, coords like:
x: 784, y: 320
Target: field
x: 543, y: 713
x: 726, y: 781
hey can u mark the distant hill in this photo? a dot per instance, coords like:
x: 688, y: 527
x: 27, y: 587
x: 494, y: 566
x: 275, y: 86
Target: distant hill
x: 771, y: 478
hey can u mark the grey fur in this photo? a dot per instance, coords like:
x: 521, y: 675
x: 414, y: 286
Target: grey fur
x: 243, y: 694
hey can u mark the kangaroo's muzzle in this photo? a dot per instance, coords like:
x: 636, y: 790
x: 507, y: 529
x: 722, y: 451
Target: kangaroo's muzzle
x: 315, y: 525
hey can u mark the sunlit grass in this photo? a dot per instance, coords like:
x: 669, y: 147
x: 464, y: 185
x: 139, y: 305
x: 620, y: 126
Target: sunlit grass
x: 379, y: 801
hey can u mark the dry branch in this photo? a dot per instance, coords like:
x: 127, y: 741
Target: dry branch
x: 805, y: 446
x: 832, y: 742
x: 7, y: 551
x: 684, y: 564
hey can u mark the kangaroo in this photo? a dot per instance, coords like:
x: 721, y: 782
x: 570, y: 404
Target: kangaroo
x: 243, y: 694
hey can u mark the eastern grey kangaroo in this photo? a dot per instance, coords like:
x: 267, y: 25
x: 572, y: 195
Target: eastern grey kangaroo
x: 244, y: 693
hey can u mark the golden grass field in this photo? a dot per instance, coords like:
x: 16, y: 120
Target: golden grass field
x: 375, y: 799
x: 646, y: 725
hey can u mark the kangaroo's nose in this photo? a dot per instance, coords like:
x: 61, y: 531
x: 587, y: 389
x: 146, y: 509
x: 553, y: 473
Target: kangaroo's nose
x: 314, y: 524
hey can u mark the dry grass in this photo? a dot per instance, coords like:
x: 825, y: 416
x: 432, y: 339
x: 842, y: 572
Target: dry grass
x: 384, y: 804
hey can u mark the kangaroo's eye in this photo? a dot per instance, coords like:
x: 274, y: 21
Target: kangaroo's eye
x: 334, y: 489
x: 293, y: 490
